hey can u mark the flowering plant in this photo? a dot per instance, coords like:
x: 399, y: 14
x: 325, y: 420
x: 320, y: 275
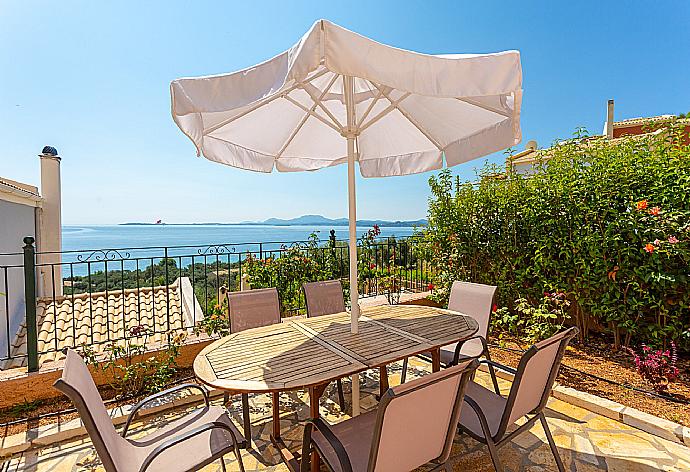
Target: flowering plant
x: 216, y: 322
x: 608, y: 222
x: 656, y: 366
x: 130, y: 368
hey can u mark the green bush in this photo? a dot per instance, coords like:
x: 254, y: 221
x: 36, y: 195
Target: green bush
x: 605, y: 222
x: 292, y: 267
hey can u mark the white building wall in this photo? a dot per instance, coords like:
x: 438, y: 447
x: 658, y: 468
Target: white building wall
x: 16, y: 222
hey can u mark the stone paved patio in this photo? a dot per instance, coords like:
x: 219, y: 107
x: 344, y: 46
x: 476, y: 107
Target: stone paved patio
x: 586, y: 441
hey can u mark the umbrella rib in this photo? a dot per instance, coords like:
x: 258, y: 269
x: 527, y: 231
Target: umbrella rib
x: 370, y: 107
x: 484, y: 107
x: 323, y: 107
x: 410, y: 119
x: 305, y: 118
x: 315, y: 115
x: 393, y: 105
x: 259, y: 104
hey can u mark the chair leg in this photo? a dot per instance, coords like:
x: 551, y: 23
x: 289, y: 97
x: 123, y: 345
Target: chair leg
x: 493, y: 452
x: 226, y: 398
x: 247, y: 420
x: 552, y: 444
x: 341, y: 395
x: 403, y: 375
x: 222, y: 463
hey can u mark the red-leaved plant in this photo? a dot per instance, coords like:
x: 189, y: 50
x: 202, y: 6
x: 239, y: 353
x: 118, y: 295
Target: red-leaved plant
x: 657, y: 367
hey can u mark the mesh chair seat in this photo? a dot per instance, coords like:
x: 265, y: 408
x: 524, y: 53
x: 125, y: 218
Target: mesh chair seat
x: 356, y: 436
x: 212, y: 443
x: 492, y: 405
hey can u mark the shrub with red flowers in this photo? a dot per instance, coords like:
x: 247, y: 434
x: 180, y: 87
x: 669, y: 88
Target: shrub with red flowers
x: 607, y: 222
x: 658, y: 367
x: 288, y: 268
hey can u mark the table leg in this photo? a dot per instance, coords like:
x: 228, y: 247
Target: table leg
x: 246, y: 420
x: 436, y: 360
x: 275, y: 396
x: 314, y: 396
x: 383, y: 380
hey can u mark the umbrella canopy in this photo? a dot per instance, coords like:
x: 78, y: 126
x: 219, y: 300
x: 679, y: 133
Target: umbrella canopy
x: 410, y: 109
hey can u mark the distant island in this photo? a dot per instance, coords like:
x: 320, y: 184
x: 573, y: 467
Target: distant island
x: 305, y: 220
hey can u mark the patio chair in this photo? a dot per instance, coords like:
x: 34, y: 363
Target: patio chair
x: 189, y: 443
x: 489, y: 414
x: 251, y: 309
x: 326, y: 298
x: 414, y: 424
x: 473, y: 300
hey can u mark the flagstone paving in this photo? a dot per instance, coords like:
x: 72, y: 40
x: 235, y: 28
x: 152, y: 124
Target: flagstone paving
x: 586, y: 441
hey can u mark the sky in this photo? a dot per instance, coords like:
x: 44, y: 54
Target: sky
x: 92, y: 79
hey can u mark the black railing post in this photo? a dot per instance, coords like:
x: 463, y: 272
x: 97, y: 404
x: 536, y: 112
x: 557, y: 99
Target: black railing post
x: 30, y: 299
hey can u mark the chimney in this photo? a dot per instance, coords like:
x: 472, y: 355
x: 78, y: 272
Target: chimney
x: 609, y: 120
x: 531, y: 145
x: 50, y: 227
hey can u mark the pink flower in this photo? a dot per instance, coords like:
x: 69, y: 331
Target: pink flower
x: 657, y: 242
x: 672, y: 239
x: 654, y: 211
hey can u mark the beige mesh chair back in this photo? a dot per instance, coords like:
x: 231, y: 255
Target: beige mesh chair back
x: 76, y: 382
x: 324, y: 298
x: 188, y: 443
x: 473, y: 300
x: 414, y: 424
x: 536, y: 373
x: 253, y: 308
x: 490, y: 415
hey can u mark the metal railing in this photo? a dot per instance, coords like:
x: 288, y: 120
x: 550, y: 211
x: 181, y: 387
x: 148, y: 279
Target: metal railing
x: 95, y: 296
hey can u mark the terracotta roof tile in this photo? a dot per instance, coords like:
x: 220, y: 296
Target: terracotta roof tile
x: 97, y: 318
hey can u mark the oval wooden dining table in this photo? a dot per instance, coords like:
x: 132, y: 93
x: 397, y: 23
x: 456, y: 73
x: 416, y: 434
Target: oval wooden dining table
x: 309, y: 353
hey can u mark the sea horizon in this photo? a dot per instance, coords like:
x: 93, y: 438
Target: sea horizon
x: 124, y: 236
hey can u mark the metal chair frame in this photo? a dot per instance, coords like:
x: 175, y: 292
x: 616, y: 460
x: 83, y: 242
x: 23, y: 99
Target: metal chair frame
x: 441, y: 462
x: 500, y: 439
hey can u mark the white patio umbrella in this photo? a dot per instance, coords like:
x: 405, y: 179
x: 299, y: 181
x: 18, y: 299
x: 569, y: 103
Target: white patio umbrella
x: 337, y: 97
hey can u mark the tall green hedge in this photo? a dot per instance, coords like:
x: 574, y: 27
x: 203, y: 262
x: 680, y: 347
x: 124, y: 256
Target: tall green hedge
x: 606, y: 222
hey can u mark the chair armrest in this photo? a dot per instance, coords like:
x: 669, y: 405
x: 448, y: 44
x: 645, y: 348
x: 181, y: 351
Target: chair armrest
x: 458, y: 347
x: 322, y: 426
x: 158, y: 395
x: 510, y: 370
x: 175, y: 440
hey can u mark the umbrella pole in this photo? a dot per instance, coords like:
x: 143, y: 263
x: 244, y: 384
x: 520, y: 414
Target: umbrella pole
x: 352, y: 217
x: 354, y: 291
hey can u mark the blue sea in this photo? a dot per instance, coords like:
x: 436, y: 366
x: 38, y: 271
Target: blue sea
x: 83, y: 238
x: 136, y: 246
